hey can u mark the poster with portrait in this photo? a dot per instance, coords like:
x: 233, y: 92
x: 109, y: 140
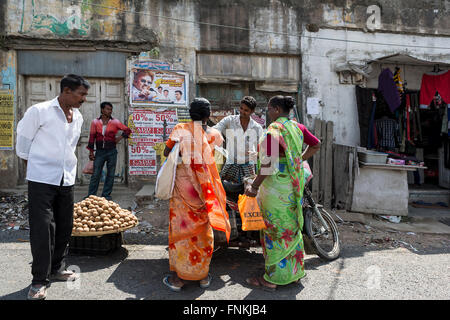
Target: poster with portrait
x: 157, y: 88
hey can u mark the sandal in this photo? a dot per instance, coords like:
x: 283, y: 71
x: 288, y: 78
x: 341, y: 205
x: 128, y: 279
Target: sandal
x: 259, y: 282
x: 37, y: 292
x: 171, y: 286
x: 207, y: 282
x: 65, y: 275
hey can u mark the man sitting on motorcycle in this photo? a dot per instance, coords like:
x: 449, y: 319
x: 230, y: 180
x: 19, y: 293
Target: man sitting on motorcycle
x: 242, y: 135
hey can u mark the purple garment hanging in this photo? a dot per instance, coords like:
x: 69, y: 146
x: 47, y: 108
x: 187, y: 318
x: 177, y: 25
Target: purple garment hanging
x: 388, y: 88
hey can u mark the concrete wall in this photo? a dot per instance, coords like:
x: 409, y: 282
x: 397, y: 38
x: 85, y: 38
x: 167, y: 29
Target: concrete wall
x: 383, y: 192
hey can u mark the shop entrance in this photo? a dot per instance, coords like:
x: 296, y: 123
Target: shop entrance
x: 411, y: 130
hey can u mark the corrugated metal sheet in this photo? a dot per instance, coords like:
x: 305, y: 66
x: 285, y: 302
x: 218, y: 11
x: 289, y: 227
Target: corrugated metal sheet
x: 215, y: 66
x: 99, y: 64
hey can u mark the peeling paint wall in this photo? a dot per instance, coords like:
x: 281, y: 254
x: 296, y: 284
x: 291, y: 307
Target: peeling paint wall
x: 176, y: 30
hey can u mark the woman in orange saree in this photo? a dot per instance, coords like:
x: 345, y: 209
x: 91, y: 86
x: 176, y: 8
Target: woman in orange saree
x: 198, y: 200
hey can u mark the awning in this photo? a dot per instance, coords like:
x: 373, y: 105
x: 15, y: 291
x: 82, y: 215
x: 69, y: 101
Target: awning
x: 364, y: 67
x: 410, y: 59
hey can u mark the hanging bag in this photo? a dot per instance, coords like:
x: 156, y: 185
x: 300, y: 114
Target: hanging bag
x: 89, y: 167
x: 165, y: 180
x: 251, y: 215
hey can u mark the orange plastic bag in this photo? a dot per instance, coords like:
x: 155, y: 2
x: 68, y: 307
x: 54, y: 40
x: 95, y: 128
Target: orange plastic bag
x: 251, y: 215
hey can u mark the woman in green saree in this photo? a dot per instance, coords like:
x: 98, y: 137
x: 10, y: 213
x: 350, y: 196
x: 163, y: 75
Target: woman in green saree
x: 279, y: 187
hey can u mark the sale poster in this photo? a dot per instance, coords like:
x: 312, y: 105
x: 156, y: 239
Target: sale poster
x: 150, y: 128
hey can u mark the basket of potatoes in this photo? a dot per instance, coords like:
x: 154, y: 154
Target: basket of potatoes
x: 95, y: 216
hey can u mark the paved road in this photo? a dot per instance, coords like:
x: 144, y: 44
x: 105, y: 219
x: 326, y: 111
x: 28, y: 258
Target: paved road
x: 136, y: 271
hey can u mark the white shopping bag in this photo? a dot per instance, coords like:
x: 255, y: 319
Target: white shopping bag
x: 165, y: 180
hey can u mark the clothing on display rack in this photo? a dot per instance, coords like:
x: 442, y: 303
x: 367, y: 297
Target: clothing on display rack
x: 398, y: 80
x: 388, y: 88
x: 387, y: 132
x: 432, y: 84
x: 372, y: 132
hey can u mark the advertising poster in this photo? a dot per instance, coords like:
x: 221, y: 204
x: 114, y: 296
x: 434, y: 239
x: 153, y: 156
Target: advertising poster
x: 156, y: 88
x: 6, y: 119
x: 142, y: 160
x: 150, y: 64
x: 150, y: 128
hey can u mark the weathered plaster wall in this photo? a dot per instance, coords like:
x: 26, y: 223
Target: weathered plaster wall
x: 175, y: 30
x: 8, y: 160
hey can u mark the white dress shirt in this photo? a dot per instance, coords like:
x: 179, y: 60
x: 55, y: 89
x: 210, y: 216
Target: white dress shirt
x: 48, y: 142
x: 239, y: 143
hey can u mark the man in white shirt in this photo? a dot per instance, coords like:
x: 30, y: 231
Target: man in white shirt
x: 178, y: 97
x: 242, y: 135
x: 47, y: 137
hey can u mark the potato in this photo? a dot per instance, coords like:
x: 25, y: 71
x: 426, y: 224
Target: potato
x: 86, y: 229
x: 116, y: 226
x: 100, y: 229
x: 79, y: 229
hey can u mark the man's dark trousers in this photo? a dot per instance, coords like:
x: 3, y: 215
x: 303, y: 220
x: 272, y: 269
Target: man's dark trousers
x: 51, y: 221
x: 101, y: 156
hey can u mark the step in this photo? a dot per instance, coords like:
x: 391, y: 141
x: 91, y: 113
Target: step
x: 429, y: 195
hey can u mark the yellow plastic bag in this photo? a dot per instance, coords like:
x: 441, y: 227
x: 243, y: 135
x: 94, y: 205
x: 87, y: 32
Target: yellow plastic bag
x: 251, y: 215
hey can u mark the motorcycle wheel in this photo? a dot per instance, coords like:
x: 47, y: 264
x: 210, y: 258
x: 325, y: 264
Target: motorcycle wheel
x: 324, y: 239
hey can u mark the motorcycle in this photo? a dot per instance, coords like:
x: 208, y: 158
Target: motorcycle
x: 320, y: 232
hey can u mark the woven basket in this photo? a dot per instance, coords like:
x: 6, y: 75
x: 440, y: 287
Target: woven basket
x: 100, y: 233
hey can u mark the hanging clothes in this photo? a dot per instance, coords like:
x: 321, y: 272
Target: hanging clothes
x: 432, y: 84
x: 371, y: 143
x: 364, y: 105
x: 388, y: 88
x: 398, y: 80
x: 387, y: 132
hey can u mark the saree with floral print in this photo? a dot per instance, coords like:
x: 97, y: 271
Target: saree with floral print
x: 198, y: 202
x: 280, y: 198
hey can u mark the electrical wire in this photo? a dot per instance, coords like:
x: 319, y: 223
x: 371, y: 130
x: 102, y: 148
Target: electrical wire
x: 256, y: 30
